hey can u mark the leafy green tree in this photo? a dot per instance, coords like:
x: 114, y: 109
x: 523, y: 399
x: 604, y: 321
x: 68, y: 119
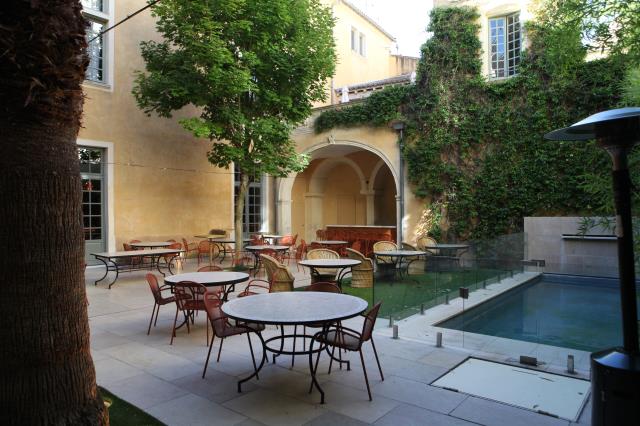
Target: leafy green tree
x: 252, y: 69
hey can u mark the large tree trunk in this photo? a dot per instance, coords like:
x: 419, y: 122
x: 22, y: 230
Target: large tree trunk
x: 46, y: 371
x: 239, y: 213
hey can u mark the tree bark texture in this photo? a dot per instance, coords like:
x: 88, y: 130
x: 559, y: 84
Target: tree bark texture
x: 47, y: 374
x: 239, y: 213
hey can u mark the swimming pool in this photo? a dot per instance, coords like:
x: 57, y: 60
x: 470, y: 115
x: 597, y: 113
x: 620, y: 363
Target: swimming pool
x: 559, y: 310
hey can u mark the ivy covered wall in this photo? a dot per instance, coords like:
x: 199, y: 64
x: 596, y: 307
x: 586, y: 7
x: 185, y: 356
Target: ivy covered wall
x: 475, y: 149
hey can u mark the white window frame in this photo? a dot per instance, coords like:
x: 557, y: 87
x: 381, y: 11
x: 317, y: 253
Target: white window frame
x: 354, y: 39
x: 264, y: 220
x: 105, y: 17
x: 362, y: 44
x: 109, y: 182
x: 506, y: 69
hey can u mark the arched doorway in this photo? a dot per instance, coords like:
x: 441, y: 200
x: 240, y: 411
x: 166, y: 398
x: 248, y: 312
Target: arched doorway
x: 345, y: 184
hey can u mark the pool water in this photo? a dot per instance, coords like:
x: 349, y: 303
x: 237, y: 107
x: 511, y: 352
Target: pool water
x: 559, y: 310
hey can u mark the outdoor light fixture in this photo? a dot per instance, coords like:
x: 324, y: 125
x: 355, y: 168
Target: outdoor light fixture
x: 615, y: 372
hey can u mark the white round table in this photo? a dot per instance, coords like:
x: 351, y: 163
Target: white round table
x: 294, y: 308
x: 400, y: 259
x: 211, y: 279
x: 255, y: 251
x: 341, y: 264
x: 152, y: 244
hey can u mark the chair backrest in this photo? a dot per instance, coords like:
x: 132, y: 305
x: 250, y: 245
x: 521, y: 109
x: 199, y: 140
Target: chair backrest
x: 365, y: 262
x: 203, y: 246
x: 301, y: 250
x: 127, y: 247
x: 220, y: 232
x: 324, y: 287
x: 321, y: 234
x: 357, y: 245
x: 407, y: 246
x: 171, y: 240
x: 187, y: 293
x: 322, y: 253
x: 175, y: 246
x: 155, y: 288
x: 217, y: 318
x: 425, y: 241
x: 257, y: 240
x: 385, y: 246
x: 210, y: 268
x: 185, y: 244
x: 135, y: 241
x: 278, y: 275
x: 286, y: 240
x: 370, y: 322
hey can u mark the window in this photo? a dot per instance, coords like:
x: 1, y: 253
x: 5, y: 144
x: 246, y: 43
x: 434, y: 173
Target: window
x: 91, y: 174
x: 96, y: 18
x: 504, y: 45
x: 358, y: 42
x: 363, y: 45
x: 252, y: 216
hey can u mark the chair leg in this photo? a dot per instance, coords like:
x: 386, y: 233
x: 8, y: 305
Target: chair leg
x: 173, y: 331
x: 206, y: 363
x: 156, y: 320
x: 153, y: 311
x: 366, y: 379
x: 220, y: 349
x: 333, y: 351
x: 375, y: 352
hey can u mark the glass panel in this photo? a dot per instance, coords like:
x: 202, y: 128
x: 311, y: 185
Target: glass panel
x: 513, y: 34
x: 85, y: 197
x: 95, y: 209
x: 96, y: 197
x: 93, y: 5
x: 497, y: 46
x: 96, y: 184
x: 96, y: 233
x: 95, y: 51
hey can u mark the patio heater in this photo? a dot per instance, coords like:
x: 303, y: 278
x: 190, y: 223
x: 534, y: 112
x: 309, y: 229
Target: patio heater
x: 615, y: 372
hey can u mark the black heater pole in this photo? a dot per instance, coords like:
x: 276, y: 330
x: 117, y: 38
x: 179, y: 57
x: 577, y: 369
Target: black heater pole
x: 626, y: 258
x: 615, y: 372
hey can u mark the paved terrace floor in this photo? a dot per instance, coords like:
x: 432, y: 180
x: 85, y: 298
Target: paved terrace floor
x: 166, y: 382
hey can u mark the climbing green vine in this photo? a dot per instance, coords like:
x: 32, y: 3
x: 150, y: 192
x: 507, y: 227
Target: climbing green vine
x: 477, y: 146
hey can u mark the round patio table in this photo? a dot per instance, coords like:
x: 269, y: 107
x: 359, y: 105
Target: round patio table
x: 211, y: 279
x: 255, y: 251
x: 330, y: 242
x: 151, y: 244
x: 271, y: 237
x: 294, y: 308
x: 449, y: 249
x: 401, y: 259
x: 219, y: 241
x: 343, y: 265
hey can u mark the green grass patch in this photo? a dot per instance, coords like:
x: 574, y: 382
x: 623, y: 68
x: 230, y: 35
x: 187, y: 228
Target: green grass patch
x: 403, y: 297
x: 121, y: 413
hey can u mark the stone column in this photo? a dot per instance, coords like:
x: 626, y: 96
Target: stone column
x: 371, y: 206
x: 314, y: 214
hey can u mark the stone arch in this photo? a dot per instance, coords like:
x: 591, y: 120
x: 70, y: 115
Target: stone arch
x: 285, y: 185
x: 322, y: 172
x: 374, y: 174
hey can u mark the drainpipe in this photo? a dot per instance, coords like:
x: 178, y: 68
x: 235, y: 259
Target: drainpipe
x: 399, y: 126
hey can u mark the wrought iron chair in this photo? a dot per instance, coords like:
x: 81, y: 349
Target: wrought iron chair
x: 189, y: 248
x: 351, y: 340
x: 222, y: 328
x: 158, y: 298
x: 204, y: 250
x: 189, y: 300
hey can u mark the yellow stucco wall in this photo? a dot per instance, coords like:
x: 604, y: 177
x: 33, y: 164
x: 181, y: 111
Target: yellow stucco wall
x: 163, y: 185
x: 490, y: 9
